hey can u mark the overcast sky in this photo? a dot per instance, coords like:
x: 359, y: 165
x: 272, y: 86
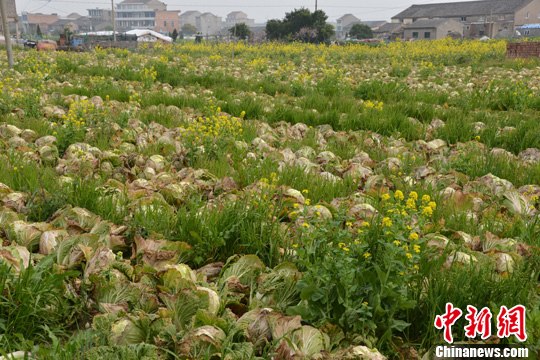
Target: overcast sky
x: 260, y: 10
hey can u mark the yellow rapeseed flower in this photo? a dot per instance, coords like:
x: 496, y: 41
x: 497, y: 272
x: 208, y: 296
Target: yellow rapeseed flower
x: 399, y: 195
x: 427, y: 211
x: 386, y: 221
x: 413, y: 236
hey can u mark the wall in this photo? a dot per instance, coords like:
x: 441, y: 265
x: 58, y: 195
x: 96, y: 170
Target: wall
x: 523, y: 50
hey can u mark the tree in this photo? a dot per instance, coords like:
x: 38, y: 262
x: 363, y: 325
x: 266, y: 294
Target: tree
x: 38, y: 32
x: 174, y: 35
x: 361, y: 31
x: 241, y: 31
x: 189, y: 29
x: 301, y: 25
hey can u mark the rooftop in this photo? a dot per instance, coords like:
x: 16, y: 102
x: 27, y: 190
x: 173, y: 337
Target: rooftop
x: 458, y: 9
x: 431, y: 23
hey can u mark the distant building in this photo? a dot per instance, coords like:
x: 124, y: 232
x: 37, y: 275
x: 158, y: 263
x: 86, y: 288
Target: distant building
x: 389, y: 31
x: 74, y: 22
x: 432, y: 29
x: 238, y: 17
x: 479, y: 18
x: 344, y: 25
x: 100, y: 19
x: 208, y: 24
x: 31, y: 22
x: 137, y: 14
x: 532, y: 30
x: 189, y: 17
x: 11, y: 14
x: 167, y: 21
x: 374, y: 24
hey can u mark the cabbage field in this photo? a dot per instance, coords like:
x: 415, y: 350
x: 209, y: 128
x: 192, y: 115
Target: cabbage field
x: 274, y: 201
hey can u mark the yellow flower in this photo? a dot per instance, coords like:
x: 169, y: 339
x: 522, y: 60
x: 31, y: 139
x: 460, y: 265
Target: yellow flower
x: 386, y: 221
x: 295, y: 246
x: 427, y: 211
x: 397, y: 242
x: 399, y: 195
x: 416, y: 248
x: 413, y: 195
x: 411, y: 204
x: 433, y: 205
x: 306, y: 225
x: 385, y: 197
x: 416, y: 267
x: 308, y: 201
x: 409, y: 256
x: 305, y: 191
x: 365, y: 224
x: 367, y: 255
x: 426, y: 199
x: 296, y: 205
x: 348, y: 224
x: 413, y: 236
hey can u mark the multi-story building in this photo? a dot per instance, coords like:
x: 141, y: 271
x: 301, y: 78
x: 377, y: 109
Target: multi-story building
x: 167, y: 21
x: 100, y: 19
x: 344, y: 25
x: 479, y: 18
x: 137, y: 14
x: 72, y: 22
x: 208, y: 24
x: 238, y: 17
x: 189, y: 18
x: 31, y: 22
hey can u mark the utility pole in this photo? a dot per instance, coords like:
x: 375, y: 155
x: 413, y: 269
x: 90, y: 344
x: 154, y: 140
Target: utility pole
x: 5, y: 29
x: 315, y: 5
x: 113, y: 21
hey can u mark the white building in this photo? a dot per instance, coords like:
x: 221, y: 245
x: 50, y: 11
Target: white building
x: 238, y: 17
x: 208, y: 24
x: 137, y: 14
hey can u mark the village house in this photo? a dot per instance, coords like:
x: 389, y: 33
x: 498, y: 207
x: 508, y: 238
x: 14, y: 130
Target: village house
x: 72, y: 22
x: 344, y: 25
x: 432, y: 29
x: 167, y: 21
x: 137, y: 14
x: 31, y: 22
x: 479, y: 18
x: 238, y: 17
x: 100, y: 19
x: 189, y: 18
x: 388, y: 31
x: 208, y: 24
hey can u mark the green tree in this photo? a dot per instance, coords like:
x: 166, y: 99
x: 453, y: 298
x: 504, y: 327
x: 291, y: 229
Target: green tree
x: 361, y: 31
x: 275, y: 29
x: 241, y: 31
x: 174, y: 35
x: 189, y: 29
x: 301, y: 24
